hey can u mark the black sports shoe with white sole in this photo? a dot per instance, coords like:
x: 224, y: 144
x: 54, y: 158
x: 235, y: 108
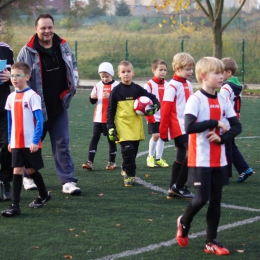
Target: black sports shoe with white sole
x: 183, y: 193
x: 11, y: 211
x: 6, y: 190
x: 39, y: 202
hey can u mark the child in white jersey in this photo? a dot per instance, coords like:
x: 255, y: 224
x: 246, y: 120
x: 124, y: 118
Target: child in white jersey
x: 232, y: 89
x: 156, y: 86
x: 175, y: 97
x: 205, y: 114
x: 100, y: 95
x: 25, y: 125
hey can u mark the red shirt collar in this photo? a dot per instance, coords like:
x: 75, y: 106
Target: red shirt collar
x: 158, y: 81
x: 178, y: 78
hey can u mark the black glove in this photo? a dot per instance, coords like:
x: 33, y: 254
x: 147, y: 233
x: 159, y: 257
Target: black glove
x: 151, y: 109
x: 112, y: 135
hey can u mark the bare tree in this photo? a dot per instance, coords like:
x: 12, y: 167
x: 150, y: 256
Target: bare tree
x: 213, y: 10
x: 11, y: 6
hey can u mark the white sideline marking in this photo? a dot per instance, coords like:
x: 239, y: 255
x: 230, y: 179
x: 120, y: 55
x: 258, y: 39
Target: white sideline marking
x: 156, y: 188
x: 248, y: 137
x: 171, y: 242
x: 192, y: 236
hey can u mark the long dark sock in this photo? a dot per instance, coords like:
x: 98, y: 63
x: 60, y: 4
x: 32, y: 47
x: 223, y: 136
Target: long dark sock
x: 176, y: 167
x: 183, y: 175
x: 17, y: 187
x: 112, y: 157
x: 37, y: 177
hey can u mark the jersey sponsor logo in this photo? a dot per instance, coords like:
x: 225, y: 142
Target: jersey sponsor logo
x: 214, y: 106
x: 106, y: 89
x: 129, y: 98
x: 18, y: 100
x: 197, y: 183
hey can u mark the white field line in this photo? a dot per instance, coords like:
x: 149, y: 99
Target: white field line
x: 156, y: 188
x: 171, y: 242
x: 248, y: 137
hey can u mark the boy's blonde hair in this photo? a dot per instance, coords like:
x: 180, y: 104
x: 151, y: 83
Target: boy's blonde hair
x: 158, y: 62
x: 19, y: 65
x: 229, y: 64
x: 181, y: 60
x: 124, y: 63
x: 207, y: 65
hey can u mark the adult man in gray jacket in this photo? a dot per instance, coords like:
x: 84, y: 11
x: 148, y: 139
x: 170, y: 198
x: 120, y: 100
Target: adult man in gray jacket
x: 54, y: 77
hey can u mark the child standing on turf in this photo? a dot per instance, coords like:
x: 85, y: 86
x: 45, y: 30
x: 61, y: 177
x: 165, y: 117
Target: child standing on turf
x: 123, y: 124
x: 156, y: 86
x: 176, y: 94
x: 205, y: 114
x: 232, y: 89
x: 100, y: 95
x: 25, y: 125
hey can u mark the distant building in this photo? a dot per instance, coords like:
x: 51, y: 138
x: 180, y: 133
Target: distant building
x: 59, y: 4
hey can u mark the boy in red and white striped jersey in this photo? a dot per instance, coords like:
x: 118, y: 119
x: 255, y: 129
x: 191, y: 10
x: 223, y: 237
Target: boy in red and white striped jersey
x: 156, y: 86
x: 25, y: 125
x: 176, y: 94
x: 232, y: 89
x: 100, y: 96
x: 206, y: 112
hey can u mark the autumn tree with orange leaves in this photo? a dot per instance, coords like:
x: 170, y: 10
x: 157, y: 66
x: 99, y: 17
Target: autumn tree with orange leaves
x: 213, y: 10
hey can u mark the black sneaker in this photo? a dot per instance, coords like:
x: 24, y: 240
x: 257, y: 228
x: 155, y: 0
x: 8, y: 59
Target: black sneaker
x: 171, y: 195
x: 39, y: 202
x: 6, y: 190
x: 11, y: 211
x: 184, y: 193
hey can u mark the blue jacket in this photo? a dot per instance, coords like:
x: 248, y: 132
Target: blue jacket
x: 29, y: 55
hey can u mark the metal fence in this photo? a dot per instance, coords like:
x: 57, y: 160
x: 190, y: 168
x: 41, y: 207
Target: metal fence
x: 141, y: 53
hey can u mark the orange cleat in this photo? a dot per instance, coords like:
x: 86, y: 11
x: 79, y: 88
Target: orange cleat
x: 216, y: 248
x: 182, y: 233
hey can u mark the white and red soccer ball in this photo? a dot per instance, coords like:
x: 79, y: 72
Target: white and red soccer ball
x: 142, y: 104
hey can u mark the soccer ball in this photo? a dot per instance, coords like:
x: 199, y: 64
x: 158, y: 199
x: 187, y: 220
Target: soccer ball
x: 142, y: 104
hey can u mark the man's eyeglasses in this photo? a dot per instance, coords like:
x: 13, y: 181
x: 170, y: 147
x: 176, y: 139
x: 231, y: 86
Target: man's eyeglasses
x: 17, y: 76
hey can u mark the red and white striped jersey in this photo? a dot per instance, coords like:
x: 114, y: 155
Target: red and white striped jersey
x: 201, y: 152
x: 22, y: 105
x: 156, y: 86
x: 100, y: 112
x: 176, y: 94
x: 227, y: 91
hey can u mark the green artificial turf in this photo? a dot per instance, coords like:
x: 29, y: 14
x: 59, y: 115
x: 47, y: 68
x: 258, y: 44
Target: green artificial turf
x: 108, y: 219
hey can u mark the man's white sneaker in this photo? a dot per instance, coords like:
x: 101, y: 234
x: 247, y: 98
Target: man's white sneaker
x: 71, y: 188
x: 29, y: 184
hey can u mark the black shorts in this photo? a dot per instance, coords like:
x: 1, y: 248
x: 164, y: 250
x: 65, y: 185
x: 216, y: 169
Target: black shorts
x: 24, y: 158
x: 181, y: 140
x: 205, y: 176
x: 153, y: 128
x: 99, y: 128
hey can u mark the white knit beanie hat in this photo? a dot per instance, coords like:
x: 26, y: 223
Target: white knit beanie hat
x: 106, y: 67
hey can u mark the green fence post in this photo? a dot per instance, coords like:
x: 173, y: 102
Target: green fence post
x: 243, y: 61
x: 126, y: 50
x: 182, y: 45
x: 76, y: 50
